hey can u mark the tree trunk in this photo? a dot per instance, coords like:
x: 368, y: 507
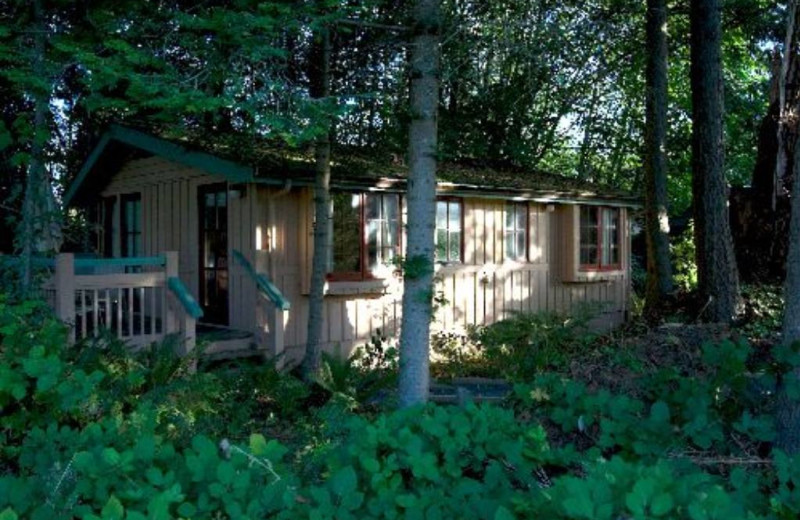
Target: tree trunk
x: 320, y: 89
x: 422, y: 147
x: 788, y: 409
x: 787, y: 101
x: 33, y: 207
x: 716, y: 264
x: 659, y: 270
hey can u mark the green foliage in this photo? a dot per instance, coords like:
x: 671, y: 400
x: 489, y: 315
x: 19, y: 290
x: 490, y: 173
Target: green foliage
x: 529, y: 344
x: 96, y: 432
x: 763, y: 311
x: 683, y: 260
x: 456, y: 355
x: 430, y: 462
x: 369, y: 372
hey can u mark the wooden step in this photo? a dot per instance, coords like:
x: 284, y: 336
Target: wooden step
x: 226, y: 343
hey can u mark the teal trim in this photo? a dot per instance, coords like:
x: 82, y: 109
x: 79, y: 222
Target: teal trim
x: 36, y: 261
x: 263, y: 283
x: 127, y: 261
x: 180, y: 291
x: 231, y: 171
x: 87, y: 167
x: 40, y: 261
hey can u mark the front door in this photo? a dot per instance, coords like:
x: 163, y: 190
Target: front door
x: 213, y: 218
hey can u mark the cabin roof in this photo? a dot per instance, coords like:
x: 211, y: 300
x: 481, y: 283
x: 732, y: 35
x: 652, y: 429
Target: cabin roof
x: 349, y: 169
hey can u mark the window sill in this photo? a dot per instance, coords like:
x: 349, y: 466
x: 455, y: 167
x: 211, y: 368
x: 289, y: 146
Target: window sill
x: 596, y: 275
x: 362, y: 287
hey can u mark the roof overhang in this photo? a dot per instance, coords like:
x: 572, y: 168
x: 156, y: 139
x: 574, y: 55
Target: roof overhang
x: 107, y: 152
x: 118, y: 142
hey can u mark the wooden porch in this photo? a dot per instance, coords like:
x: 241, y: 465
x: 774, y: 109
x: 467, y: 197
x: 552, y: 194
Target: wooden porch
x: 143, y: 300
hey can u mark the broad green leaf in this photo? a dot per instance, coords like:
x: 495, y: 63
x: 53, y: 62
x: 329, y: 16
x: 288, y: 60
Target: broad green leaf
x: 344, y: 481
x: 113, y: 509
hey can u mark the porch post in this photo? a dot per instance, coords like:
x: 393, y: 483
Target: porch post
x: 65, y: 291
x: 170, y: 270
x: 189, y: 339
x: 277, y: 326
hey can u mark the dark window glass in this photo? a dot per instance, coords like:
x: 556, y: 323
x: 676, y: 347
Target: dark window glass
x: 366, y: 233
x: 346, y: 238
x: 131, y: 224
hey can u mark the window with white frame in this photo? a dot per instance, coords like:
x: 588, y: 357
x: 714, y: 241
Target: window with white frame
x: 449, y: 233
x: 515, y: 231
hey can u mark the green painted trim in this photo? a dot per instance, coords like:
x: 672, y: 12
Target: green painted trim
x: 40, y: 261
x: 180, y: 291
x: 233, y: 172
x: 127, y: 261
x: 86, y: 168
x: 263, y: 283
x: 271, y: 290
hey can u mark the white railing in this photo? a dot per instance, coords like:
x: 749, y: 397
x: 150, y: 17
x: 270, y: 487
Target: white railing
x: 138, y: 300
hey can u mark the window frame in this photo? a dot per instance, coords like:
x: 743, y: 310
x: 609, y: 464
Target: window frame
x: 365, y: 274
x: 125, y: 228
x: 600, y: 266
x: 448, y: 261
x: 525, y: 207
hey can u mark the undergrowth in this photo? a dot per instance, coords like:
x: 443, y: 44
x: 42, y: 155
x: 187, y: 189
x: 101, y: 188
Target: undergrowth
x: 94, y: 431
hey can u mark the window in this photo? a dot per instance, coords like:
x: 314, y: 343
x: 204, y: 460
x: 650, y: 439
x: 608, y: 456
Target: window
x: 107, y: 226
x: 599, y: 238
x: 448, y: 230
x: 120, y: 224
x: 515, y: 231
x: 131, y: 224
x: 365, y: 236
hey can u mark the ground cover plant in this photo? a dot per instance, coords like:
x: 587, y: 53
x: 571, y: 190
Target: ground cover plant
x: 94, y: 431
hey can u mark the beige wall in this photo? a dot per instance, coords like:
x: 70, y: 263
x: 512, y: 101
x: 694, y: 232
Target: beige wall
x: 272, y: 228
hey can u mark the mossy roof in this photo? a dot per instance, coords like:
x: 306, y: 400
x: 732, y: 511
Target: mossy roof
x: 350, y: 168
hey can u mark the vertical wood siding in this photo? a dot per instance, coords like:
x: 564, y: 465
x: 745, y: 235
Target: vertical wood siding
x: 481, y: 290
x: 170, y: 222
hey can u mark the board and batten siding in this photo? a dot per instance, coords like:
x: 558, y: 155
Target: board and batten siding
x: 272, y: 227
x: 481, y: 290
x: 170, y: 222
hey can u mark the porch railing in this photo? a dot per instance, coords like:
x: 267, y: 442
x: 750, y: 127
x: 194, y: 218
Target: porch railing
x: 139, y: 300
x: 272, y: 310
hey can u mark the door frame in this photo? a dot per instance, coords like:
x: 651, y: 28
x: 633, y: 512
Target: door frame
x: 202, y: 191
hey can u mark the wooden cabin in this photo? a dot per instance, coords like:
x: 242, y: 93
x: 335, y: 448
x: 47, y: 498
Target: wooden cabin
x: 240, y: 236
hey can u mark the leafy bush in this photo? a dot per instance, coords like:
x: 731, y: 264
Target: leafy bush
x: 529, y: 344
x: 363, y: 378
x: 106, y: 434
x: 457, y: 355
x: 683, y: 260
x: 763, y: 311
x: 429, y: 462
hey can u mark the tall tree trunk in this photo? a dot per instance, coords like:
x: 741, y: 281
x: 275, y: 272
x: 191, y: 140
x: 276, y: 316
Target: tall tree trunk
x: 422, y: 146
x: 320, y: 89
x: 788, y: 409
x: 33, y: 207
x: 787, y: 101
x: 716, y: 264
x: 659, y: 270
